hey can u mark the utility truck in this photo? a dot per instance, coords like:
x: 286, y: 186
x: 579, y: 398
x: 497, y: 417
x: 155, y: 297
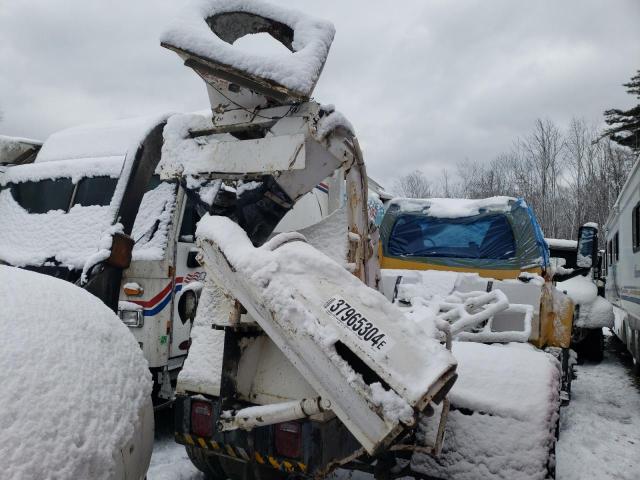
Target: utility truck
x: 296, y: 365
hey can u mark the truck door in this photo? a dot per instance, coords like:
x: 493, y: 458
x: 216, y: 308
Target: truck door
x: 187, y: 273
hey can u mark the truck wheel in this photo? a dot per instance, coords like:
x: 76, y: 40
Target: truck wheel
x: 206, y: 463
x: 593, y: 348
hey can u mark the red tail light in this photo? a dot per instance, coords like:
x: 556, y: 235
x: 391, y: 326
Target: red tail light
x: 289, y: 439
x: 201, y: 418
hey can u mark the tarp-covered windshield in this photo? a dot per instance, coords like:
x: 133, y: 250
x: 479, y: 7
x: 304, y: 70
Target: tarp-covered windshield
x: 480, y: 237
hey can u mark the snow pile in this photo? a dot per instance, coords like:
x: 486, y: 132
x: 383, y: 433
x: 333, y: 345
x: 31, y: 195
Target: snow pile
x: 562, y: 243
x: 454, y: 207
x: 98, y: 140
x: 203, y: 366
x: 297, y: 71
x: 74, y: 381
x: 151, y: 227
x: 594, y: 311
x: 90, y: 167
x: 331, y: 121
x: 295, y: 266
x: 103, y: 253
x: 504, y: 411
x: 329, y: 236
x: 181, y: 154
x: 68, y: 237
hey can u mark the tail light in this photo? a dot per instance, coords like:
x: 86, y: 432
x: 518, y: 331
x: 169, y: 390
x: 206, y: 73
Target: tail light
x: 289, y: 439
x: 201, y: 418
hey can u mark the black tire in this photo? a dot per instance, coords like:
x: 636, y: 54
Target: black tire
x: 206, y: 462
x: 593, y: 349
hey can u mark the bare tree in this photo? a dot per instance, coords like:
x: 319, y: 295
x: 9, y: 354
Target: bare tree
x: 413, y: 185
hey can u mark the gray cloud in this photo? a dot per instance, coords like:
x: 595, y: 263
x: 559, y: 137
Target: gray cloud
x: 426, y: 84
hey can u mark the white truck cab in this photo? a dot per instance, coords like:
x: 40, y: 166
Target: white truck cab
x: 92, y: 182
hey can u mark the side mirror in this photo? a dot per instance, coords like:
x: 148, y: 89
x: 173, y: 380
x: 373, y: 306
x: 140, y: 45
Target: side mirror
x: 587, y: 245
x: 121, y: 248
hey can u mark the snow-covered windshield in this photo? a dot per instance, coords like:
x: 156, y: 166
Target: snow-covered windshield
x: 481, y: 236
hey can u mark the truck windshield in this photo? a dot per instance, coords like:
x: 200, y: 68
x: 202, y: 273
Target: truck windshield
x: 482, y: 237
x: 56, y: 194
x: 95, y: 191
x: 44, y: 195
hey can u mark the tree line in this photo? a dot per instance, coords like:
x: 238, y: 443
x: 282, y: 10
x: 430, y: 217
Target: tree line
x: 568, y: 176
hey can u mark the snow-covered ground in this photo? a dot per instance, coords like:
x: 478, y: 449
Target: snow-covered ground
x: 600, y: 428
x: 599, y: 436
x: 169, y: 460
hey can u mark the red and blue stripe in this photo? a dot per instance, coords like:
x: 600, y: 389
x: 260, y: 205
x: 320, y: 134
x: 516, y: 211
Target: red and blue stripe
x: 156, y: 304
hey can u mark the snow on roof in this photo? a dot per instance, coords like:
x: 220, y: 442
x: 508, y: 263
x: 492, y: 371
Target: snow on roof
x: 74, y: 381
x: 99, y: 140
x: 297, y: 71
x: 561, y: 243
x: 454, y: 207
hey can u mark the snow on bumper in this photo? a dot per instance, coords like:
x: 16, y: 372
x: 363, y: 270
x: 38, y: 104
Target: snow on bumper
x: 504, y: 410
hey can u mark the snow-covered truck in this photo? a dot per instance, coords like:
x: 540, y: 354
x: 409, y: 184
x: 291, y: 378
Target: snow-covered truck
x: 90, y: 209
x: 584, y: 286
x: 433, y: 253
x: 622, y: 267
x: 296, y: 365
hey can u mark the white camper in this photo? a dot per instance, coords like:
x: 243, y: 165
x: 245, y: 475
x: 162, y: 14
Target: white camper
x: 622, y: 263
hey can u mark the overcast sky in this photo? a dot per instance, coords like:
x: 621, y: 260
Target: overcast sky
x: 425, y: 83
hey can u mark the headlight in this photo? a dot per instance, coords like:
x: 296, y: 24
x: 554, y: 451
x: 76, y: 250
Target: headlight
x: 132, y: 318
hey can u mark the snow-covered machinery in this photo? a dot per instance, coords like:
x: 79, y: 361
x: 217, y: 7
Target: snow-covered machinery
x: 447, y: 256
x: 90, y: 209
x: 306, y: 367
x: 580, y: 278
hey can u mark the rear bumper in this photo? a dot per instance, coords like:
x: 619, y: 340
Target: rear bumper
x: 322, y: 443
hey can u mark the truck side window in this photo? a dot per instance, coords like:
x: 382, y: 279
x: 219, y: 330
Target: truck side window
x: 44, y: 195
x: 190, y: 219
x: 95, y: 191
